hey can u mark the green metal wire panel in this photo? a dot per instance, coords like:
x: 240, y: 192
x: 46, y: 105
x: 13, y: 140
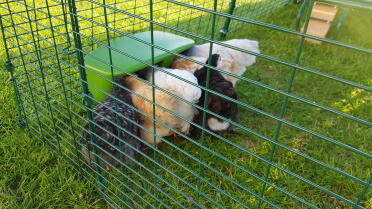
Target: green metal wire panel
x: 45, y: 42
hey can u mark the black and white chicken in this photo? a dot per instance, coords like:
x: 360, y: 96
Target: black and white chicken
x: 217, y: 104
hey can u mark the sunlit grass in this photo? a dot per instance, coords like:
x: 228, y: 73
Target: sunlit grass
x: 35, y: 177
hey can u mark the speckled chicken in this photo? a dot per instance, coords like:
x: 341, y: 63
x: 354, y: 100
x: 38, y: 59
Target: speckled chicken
x: 109, y: 124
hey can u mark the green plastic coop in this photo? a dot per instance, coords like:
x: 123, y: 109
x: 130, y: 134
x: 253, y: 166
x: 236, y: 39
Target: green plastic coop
x: 103, y: 65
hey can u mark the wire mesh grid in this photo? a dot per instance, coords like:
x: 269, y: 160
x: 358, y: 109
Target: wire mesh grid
x: 46, y: 42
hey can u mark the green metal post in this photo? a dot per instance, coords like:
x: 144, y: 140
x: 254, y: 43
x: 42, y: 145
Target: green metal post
x: 153, y: 71
x: 87, y: 95
x: 22, y: 121
x: 225, y: 29
x: 300, y: 14
x: 363, y: 193
x: 64, y: 12
x: 155, y: 167
x: 26, y: 73
x: 285, y: 101
x: 341, y: 20
x: 34, y: 82
x: 205, y: 105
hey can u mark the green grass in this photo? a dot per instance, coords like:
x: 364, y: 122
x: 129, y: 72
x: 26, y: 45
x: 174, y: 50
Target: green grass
x: 35, y: 177
x: 32, y: 176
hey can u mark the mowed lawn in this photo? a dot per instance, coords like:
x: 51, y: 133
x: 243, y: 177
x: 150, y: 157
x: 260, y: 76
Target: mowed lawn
x: 32, y: 176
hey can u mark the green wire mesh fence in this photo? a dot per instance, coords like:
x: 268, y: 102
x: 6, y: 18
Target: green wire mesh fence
x: 47, y: 44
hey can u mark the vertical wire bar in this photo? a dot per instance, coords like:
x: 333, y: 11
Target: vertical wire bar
x: 114, y: 18
x: 179, y: 16
x: 134, y: 18
x: 92, y: 43
x: 87, y: 95
x: 363, y: 193
x: 26, y: 73
x: 166, y: 13
x: 36, y: 25
x: 205, y: 105
x: 23, y: 118
x: 91, y: 27
x: 190, y: 16
x: 67, y: 49
x: 63, y: 86
x: 4, y: 38
x: 200, y: 16
x: 300, y: 15
x: 208, y: 23
x: 64, y: 12
x: 22, y: 121
x: 36, y: 19
x: 285, y: 101
x: 153, y: 85
x: 41, y: 67
x: 111, y: 63
x: 10, y: 67
x: 226, y: 26
x: 116, y: 107
x: 152, y: 69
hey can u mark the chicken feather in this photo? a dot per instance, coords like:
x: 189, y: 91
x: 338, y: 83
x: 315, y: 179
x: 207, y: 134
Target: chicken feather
x: 108, y: 116
x: 224, y: 64
x: 231, y: 60
x: 217, y: 104
x: 241, y: 58
x: 167, y: 101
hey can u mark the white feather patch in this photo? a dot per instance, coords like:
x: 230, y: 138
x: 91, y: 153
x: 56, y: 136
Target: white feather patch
x: 187, y: 91
x: 216, y: 125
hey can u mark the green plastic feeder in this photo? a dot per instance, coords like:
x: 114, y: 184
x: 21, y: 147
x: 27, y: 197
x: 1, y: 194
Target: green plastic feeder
x: 98, y: 60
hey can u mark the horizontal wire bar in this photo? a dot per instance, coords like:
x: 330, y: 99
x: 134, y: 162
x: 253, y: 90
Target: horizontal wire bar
x: 27, y: 33
x: 119, y: 171
x: 219, y: 70
x: 313, y: 185
x: 74, y: 162
x: 290, y: 64
x: 106, y: 142
x: 242, y: 78
x: 225, y: 139
x: 266, y: 25
x: 53, y: 107
x: 240, y: 166
x: 112, y: 176
x: 337, y: 170
x: 124, y: 130
x: 130, y: 179
x: 106, y: 130
x: 117, y: 127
